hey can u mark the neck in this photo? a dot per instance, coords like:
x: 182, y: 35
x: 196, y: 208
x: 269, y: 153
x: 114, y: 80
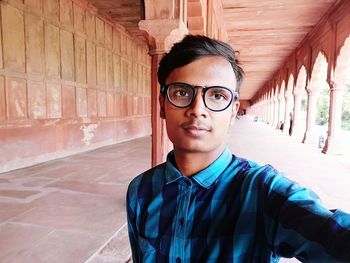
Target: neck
x: 190, y: 163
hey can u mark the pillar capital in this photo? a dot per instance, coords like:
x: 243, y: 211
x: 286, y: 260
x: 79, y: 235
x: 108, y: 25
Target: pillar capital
x: 163, y: 33
x: 311, y: 93
x: 336, y: 86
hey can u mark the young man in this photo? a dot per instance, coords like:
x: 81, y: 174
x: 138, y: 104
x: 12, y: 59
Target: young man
x: 205, y: 204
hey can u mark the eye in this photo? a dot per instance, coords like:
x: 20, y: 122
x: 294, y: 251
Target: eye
x: 218, y: 94
x: 179, y: 92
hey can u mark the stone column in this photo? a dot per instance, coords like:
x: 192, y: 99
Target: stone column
x: 333, y: 142
x: 309, y: 135
x: 260, y: 110
x: 275, y: 112
x: 269, y: 111
x: 287, y: 111
x: 296, y: 113
x: 157, y: 122
x: 281, y: 110
x: 162, y: 33
x: 272, y: 111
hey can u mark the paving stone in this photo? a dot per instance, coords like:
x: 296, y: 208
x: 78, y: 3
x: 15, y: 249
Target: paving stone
x: 103, y: 259
x: 9, y: 210
x: 17, y: 194
x: 100, y: 221
x: 118, y: 247
x: 62, y: 246
x: 116, y: 250
x: 17, y: 238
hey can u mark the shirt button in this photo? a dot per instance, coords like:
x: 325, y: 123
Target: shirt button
x: 178, y: 260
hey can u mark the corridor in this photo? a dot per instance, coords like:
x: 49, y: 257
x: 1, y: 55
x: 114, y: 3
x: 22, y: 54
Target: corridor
x: 72, y: 209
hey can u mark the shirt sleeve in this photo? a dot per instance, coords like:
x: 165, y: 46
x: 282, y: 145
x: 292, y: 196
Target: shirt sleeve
x: 297, y: 224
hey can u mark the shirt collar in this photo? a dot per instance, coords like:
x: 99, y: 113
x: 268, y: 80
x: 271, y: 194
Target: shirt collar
x: 206, y: 177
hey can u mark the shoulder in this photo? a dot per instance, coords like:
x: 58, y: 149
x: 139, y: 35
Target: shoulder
x: 274, y: 184
x: 253, y: 169
x: 259, y: 176
x: 146, y: 179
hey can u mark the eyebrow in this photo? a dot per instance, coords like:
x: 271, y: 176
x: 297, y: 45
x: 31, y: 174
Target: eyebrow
x: 199, y: 86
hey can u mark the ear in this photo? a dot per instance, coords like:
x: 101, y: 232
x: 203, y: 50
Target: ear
x: 235, y: 108
x: 162, y: 110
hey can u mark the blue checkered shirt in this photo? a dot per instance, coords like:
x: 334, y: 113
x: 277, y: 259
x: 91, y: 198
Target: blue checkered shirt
x: 232, y: 211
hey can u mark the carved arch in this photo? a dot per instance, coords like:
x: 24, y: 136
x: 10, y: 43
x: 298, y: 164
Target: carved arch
x: 290, y: 84
x: 301, y: 80
x: 343, y: 63
x: 319, y: 71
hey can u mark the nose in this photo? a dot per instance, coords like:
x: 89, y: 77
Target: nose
x: 197, y: 107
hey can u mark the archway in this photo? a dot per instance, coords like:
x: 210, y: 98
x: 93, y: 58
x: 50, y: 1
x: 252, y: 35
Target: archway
x: 339, y: 119
x: 275, y: 106
x: 269, y: 107
x: 300, y: 99
x: 316, y: 105
x: 281, y: 106
x: 289, y: 103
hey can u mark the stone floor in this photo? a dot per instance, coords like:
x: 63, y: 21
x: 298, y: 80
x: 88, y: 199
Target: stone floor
x: 72, y: 209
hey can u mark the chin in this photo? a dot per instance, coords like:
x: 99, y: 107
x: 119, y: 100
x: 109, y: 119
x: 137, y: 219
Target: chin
x: 195, y: 148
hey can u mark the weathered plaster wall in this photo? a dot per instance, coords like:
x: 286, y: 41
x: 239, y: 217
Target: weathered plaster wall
x: 70, y: 81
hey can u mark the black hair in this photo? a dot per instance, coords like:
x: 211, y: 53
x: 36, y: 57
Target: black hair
x: 193, y: 47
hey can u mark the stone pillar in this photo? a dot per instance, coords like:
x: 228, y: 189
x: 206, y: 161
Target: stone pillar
x: 296, y: 113
x: 272, y: 111
x: 309, y: 135
x: 281, y: 110
x: 157, y: 122
x: 269, y: 111
x: 162, y: 34
x: 260, y: 110
x: 333, y: 142
x: 287, y: 111
x: 275, y: 112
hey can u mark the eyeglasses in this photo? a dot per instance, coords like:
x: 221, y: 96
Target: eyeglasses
x: 216, y: 98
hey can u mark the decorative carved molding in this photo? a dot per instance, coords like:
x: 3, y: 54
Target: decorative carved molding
x: 163, y: 33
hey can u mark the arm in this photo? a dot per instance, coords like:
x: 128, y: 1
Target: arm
x: 297, y: 225
x: 131, y: 218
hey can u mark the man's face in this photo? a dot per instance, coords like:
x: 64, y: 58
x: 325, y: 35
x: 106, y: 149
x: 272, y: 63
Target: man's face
x: 196, y: 128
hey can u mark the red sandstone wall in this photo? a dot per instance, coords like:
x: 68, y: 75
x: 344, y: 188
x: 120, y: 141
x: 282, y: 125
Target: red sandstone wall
x: 70, y: 81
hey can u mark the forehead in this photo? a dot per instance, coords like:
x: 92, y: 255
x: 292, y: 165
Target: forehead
x: 206, y: 71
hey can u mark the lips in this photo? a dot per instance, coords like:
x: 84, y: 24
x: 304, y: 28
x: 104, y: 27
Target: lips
x: 195, y: 130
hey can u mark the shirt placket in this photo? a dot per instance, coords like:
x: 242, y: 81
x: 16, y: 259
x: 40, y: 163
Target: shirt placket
x: 181, y: 221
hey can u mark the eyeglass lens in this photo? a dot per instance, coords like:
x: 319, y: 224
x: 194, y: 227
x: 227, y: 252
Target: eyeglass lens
x: 215, y: 98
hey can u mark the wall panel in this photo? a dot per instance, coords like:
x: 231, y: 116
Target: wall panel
x: 64, y: 67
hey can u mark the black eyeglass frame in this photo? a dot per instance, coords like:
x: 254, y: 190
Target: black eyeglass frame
x: 165, y: 88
